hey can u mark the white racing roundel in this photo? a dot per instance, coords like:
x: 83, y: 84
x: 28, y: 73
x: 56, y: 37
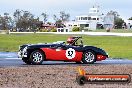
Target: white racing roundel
x: 70, y: 53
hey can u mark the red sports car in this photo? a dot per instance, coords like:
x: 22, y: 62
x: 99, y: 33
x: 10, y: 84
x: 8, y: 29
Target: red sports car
x: 73, y: 51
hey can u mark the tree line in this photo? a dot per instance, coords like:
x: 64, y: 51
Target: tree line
x: 26, y: 21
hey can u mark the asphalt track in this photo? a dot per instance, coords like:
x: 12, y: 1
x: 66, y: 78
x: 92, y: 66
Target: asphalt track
x: 10, y: 59
x: 4, y: 62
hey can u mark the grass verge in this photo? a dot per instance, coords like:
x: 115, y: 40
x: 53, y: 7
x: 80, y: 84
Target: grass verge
x: 117, y: 47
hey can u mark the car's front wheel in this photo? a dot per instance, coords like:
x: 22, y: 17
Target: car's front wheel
x: 37, y: 57
x: 89, y: 57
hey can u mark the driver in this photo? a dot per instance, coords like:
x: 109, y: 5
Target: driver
x: 71, y: 41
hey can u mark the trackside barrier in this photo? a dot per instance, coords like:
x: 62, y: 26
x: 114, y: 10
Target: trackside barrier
x: 84, y: 33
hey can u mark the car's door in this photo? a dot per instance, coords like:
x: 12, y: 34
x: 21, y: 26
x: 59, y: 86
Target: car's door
x: 54, y: 52
x: 73, y: 53
x: 62, y: 53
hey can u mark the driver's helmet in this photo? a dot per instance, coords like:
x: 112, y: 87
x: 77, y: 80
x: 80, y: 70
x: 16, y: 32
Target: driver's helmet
x: 70, y: 40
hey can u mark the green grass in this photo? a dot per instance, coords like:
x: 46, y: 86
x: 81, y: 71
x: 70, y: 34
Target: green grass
x: 117, y: 47
x: 115, y: 30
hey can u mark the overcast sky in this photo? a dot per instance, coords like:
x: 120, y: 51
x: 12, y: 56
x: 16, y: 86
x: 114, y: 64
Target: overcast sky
x: 73, y: 7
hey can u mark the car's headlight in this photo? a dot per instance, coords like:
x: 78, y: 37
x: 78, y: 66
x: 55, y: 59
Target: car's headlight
x: 25, y: 49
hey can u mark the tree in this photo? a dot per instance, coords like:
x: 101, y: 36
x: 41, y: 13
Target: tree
x: 25, y: 21
x: 59, y: 24
x: 1, y: 22
x: 63, y: 17
x: 130, y: 18
x: 45, y: 17
x: 5, y: 21
x: 117, y: 20
x: 55, y: 17
x: 17, y: 16
x: 119, y: 23
x: 116, y: 15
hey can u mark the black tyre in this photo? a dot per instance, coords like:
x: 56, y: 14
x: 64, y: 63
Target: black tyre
x: 81, y: 80
x: 26, y: 60
x: 37, y: 57
x: 89, y: 57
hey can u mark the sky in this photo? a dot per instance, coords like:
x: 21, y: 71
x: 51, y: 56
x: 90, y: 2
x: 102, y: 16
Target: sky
x: 73, y: 7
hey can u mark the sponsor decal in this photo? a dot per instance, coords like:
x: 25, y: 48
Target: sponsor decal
x: 70, y: 53
x: 84, y: 77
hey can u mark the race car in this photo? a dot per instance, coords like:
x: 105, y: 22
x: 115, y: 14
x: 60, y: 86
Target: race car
x: 72, y: 51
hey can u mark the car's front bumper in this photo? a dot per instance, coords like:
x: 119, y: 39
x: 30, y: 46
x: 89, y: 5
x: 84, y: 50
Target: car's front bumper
x: 22, y: 53
x: 19, y: 54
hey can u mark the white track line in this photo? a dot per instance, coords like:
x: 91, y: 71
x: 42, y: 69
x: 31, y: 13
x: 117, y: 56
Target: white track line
x: 12, y: 58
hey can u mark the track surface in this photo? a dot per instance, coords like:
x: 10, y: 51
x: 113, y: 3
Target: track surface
x: 54, y: 74
x: 18, y: 62
x: 10, y: 59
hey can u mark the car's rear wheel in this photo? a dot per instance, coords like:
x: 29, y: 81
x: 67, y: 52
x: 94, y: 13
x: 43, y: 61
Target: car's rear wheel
x: 37, y: 57
x: 89, y: 57
x: 26, y: 60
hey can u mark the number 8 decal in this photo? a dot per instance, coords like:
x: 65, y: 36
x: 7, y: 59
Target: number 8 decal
x: 70, y: 53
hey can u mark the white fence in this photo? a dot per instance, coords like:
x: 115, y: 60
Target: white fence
x: 84, y: 33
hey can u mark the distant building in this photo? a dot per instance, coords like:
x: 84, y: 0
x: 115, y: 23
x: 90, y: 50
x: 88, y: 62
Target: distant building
x: 63, y: 29
x: 108, y: 21
x: 129, y: 24
x: 48, y: 26
x: 91, y: 21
